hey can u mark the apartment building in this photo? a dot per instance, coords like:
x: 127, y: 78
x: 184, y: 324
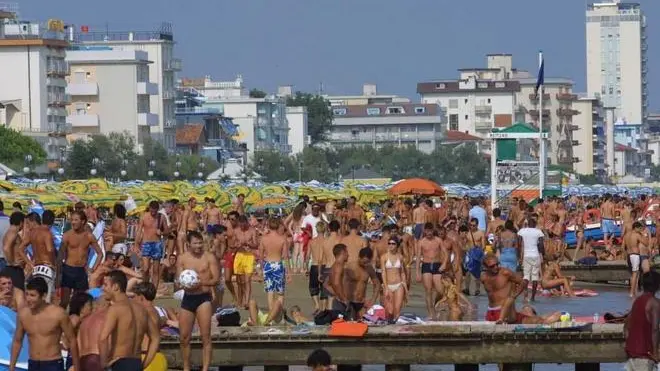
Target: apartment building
x: 369, y: 96
x: 632, y: 135
x: 298, y: 135
x: 590, y: 137
x: 617, y: 57
x: 499, y: 96
x: 206, y: 87
x: 159, y: 46
x: 421, y: 125
x: 110, y: 92
x: 32, y: 79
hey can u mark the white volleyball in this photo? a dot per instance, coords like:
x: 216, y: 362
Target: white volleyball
x: 188, y: 278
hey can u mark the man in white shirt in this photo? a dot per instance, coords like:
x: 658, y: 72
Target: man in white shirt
x: 532, y: 241
x: 313, y: 219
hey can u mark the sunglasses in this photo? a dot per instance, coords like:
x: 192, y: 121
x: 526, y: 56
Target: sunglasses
x: 391, y: 243
x: 493, y: 266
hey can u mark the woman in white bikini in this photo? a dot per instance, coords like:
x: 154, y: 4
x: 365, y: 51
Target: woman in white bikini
x: 294, y: 224
x: 394, y: 280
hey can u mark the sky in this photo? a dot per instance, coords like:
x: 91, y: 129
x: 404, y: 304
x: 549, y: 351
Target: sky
x: 345, y: 43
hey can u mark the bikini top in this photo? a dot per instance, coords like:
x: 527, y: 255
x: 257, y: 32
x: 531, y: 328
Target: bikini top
x: 389, y: 265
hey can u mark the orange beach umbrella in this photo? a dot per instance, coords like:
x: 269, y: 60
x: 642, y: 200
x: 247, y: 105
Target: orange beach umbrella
x: 416, y: 186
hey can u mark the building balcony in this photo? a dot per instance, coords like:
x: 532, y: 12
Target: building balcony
x: 147, y: 88
x: 284, y: 148
x: 572, y: 127
x: 483, y: 110
x: 567, y: 160
x: 147, y: 119
x: 533, y: 97
x: 566, y: 97
x: 569, y: 143
x: 567, y: 112
x: 56, y: 81
x: 60, y: 68
x: 83, y: 120
x: 169, y: 94
x: 575, y: 142
x: 535, y: 113
x: 58, y: 99
x: 197, y: 111
x: 174, y: 64
x: 85, y: 88
x: 483, y: 125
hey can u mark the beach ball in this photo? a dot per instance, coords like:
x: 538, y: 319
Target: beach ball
x: 565, y: 317
x: 188, y: 278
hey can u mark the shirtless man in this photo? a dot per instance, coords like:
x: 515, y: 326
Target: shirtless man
x: 354, y: 242
x: 196, y: 303
x: 43, y: 250
x: 316, y: 258
x: 231, y: 223
x: 239, y: 204
x: 174, y: 215
x: 518, y: 214
x: 494, y: 224
x: 89, y: 335
x: 503, y: 287
x: 188, y: 223
x: 335, y: 282
x: 356, y: 278
x: 211, y: 216
x: 245, y: 243
x: 126, y: 324
x: 11, y: 245
x: 151, y: 230
x: 432, y: 263
x: 73, y: 256
x: 44, y: 324
x: 274, y: 253
x: 607, y: 221
x: 476, y: 240
x: 419, y: 218
x: 353, y: 211
x: 632, y: 241
x: 10, y: 296
x: 328, y: 260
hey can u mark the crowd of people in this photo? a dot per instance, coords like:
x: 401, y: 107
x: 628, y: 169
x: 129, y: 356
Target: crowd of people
x: 452, y: 247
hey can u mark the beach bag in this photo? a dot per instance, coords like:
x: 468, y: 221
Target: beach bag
x: 325, y: 317
x: 342, y: 328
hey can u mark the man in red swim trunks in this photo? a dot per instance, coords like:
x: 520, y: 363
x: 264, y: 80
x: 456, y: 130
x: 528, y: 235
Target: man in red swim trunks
x: 503, y: 287
x: 229, y: 251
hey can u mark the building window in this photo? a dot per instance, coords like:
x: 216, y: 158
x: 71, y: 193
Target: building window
x: 453, y: 122
x: 395, y: 110
x: 488, y: 100
x: 81, y: 108
x: 439, y: 86
x: 339, y: 111
x: 500, y: 85
x: 482, y: 85
x: 373, y: 111
x: 453, y: 103
x: 466, y: 117
x: 465, y: 100
x: 420, y: 110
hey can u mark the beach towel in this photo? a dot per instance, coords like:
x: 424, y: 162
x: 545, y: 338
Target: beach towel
x: 341, y: 328
x: 473, y: 260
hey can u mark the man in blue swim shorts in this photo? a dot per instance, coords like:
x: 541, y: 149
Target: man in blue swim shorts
x: 274, y: 252
x: 150, y: 232
x: 607, y: 223
x: 419, y: 218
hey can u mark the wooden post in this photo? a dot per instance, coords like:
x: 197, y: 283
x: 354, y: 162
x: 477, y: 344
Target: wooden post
x: 587, y: 367
x: 397, y: 367
x: 517, y: 367
x: 466, y: 366
x: 276, y: 368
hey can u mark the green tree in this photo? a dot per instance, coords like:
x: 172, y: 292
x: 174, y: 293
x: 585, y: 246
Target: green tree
x: 14, y: 146
x: 256, y: 93
x: 589, y: 179
x: 319, y: 114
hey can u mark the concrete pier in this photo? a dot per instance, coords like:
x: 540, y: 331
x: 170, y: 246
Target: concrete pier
x: 398, y: 347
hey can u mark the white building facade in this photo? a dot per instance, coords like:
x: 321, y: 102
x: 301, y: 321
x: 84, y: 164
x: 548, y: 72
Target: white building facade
x: 159, y: 46
x: 590, y: 135
x: 101, y: 81
x: 617, y: 57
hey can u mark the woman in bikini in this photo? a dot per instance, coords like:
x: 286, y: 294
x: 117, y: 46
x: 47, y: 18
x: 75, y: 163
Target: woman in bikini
x: 554, y: 280
x: 394, y: 279
x: 507, y: 247
x: 294, y: 224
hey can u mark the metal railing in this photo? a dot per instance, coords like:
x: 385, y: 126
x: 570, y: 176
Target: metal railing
x: 197, y: 110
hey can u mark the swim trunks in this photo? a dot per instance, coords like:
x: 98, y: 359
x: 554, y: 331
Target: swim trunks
x: 243, y: 263
x: 228, y: 259
x: 418, y: 231
x: 635, y: 262
x: 274, y: 277
x: 152, y: 250
x: 53, y: 365
x: 191, y: 302
x: 211, y: 227
x: 74, y: 278
x: 493, y: 315
x: 126, y: 364
x: 325, y: 273
x: 607, y: 226
x: 48, y: 274
x: 120, y: 248
x: 431, y: 268
x: 91, y: 362
x: 314, y: 282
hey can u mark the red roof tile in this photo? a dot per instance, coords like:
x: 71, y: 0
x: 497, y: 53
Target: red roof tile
x: 189, y: 134
x: 621, y: 148
x: 459, y: 136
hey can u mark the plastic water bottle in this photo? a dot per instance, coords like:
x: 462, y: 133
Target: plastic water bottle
x: 596, y: 317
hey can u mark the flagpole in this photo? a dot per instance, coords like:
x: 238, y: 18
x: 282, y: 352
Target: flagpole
x: 542, y: 156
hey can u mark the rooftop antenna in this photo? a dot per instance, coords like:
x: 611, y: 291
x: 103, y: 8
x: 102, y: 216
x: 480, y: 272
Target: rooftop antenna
x: 321, y: 88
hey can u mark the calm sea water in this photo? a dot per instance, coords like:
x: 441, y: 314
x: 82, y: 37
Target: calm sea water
x: 610, y: 299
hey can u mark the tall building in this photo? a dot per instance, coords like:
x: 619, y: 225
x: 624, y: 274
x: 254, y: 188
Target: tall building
x: 616, y: 58
x: 32, y: 79
x: 110, y: 92
x: 590, y: 137
x: 159, y: 46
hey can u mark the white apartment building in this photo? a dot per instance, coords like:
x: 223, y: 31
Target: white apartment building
x: 32, y: 84
x: 616, y: 57
x: 369, y: 96
x: 298, y: 136
x: 397, y: 124
x: 104, y: 79
x: 590, y: 135
x: 159, y: 46
x: 499, y: 96
x: 215, y: 89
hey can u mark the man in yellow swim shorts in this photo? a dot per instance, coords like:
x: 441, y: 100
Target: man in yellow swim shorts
x: 245, y: 243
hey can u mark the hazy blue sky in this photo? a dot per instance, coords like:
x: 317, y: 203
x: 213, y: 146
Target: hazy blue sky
x: 344, y: 43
